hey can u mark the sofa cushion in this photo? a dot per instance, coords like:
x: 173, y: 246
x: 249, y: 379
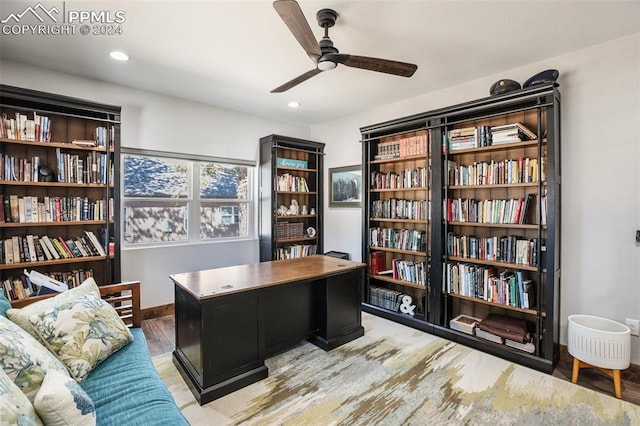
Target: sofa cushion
x: 81, y: 332
x: 126, y: 389
x: 24, y: 359
x: 5, y: 305
x: 21, y: 316
x: 16, y: 407
x: 62, y: 402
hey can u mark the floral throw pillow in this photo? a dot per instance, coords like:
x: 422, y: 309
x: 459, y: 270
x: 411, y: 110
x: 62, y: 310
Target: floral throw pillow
x: 62, y: 402
x: 82, y: 332
x: 16, y: 407
x: 24, y: 359
x: 21, y: 316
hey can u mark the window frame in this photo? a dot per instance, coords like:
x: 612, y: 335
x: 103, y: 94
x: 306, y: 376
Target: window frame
x: 194, y: 202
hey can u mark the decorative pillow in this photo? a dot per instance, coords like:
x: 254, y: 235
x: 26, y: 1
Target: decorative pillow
x: 81, y: 333
x: 21, y: 316
x: 24, y: 359
x: 61, y: 401
x: 16, y: 407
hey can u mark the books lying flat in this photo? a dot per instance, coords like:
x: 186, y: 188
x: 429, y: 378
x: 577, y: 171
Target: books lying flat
x: 488, y: 336
x: 464, y: 323
x: 527, y: 347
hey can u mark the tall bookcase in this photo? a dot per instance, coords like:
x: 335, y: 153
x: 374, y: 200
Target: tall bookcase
x: 59, y: 186
x: 493, y: 241
x: 291, y: 197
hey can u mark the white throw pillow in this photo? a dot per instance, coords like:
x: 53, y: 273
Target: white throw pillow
x: 62, y: 402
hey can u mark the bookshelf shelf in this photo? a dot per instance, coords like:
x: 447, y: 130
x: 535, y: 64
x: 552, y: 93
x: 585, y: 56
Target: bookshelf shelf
x: 48, y: 224
x: 286, y: 165
x: 531, y: 312
x: 40, y: 129
x: 466, y: 215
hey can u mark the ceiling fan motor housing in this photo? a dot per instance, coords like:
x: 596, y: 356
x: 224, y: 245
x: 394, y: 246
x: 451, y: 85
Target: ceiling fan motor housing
x: 326, y: 18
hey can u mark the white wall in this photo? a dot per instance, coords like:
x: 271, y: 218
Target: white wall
x: 600, y: 174
x: 152, y: 121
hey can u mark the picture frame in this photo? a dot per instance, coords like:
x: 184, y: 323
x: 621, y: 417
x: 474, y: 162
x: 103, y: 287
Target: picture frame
x: 345, y: 186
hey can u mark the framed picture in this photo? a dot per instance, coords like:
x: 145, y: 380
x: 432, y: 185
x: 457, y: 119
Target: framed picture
x: 345, y: 186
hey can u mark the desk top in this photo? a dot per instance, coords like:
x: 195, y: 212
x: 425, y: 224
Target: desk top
x: 235, y: 279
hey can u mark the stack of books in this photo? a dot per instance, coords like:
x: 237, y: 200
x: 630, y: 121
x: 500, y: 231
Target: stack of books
x: 509, y: 133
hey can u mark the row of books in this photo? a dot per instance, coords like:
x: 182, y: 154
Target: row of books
x: 95, y: 167
x: 29, y: 209
x: 291, y: 183
x: 38, y: 129
x: 385, y: 298
x: 475, y: 137
x: 512, y: 211
x: 33, y: 248
x: 508, y: 171
x: 21, y: 127
x: 20, y: 169
x: 405, y: 147
x: 410, y: 271
x: 16, y: 288
x: 409, y: 178
x: 507, y: 249
x: 469, y: 137
x: 401, y: 239
x: 511, y: 288
x: 295, y: 251
x: 401, y: 209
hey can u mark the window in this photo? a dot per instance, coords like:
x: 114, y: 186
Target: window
x: 163, y: 193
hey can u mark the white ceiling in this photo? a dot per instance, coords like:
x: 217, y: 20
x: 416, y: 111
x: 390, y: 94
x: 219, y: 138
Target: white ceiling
x: 231, y: 54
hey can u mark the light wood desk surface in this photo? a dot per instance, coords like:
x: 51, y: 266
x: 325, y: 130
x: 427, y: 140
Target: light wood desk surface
x: 234, y: 279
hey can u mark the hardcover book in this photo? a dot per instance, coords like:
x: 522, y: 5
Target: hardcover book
x: 464, y: 323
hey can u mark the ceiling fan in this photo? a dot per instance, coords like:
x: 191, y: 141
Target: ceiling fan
x: 323, y: 54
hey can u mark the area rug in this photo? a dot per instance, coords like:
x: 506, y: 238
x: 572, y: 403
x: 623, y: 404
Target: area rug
x: 395, y: 375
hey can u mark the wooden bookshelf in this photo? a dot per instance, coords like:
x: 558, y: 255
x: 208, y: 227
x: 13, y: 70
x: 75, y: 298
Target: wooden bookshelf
x: 80, y: 195
x: 291, y: 171
x: 477, y: 219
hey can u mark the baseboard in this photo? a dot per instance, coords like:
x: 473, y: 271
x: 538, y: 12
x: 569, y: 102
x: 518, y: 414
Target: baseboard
x: 157, y: 311
x: 565, y: 356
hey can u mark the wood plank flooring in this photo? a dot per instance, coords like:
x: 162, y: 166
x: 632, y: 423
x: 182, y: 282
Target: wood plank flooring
x: 160, y: 334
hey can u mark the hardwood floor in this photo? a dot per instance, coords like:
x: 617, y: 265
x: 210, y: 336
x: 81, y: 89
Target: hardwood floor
x: 161, y: 339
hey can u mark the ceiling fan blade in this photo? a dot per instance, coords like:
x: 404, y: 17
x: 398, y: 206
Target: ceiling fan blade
x: 299, y: 79
x: 386, y: 66
x: 291, y: 14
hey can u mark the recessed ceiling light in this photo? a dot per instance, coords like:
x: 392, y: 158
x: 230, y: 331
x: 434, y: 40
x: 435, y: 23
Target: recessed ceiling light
x: 119, y: 56
x: 293, y: 104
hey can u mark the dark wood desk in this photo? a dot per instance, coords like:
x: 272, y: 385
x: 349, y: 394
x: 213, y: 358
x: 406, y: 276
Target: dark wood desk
x: 228, y: 320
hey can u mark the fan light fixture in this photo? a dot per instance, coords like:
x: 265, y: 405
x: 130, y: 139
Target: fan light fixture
x: 326, y: 65
x: 119, y: 56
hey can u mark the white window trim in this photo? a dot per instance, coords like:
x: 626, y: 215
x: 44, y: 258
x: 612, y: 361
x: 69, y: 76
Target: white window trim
x: 193, y: 201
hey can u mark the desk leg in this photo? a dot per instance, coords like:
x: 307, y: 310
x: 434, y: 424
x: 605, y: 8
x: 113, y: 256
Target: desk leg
x: 340, y: 310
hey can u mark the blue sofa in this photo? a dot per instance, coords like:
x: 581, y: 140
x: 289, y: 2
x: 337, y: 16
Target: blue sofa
x: 125, y: 388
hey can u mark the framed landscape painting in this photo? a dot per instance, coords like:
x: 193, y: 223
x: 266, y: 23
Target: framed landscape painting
x: 345, y: 186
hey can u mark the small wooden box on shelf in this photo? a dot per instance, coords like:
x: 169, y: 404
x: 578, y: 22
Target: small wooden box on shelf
x: 58, y: 189
x: 291, y: 197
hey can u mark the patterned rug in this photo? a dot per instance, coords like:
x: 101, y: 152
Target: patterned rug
x: 395, y: 375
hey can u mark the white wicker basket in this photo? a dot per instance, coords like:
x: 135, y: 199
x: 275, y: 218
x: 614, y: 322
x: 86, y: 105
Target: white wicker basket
x: 599, y: 341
